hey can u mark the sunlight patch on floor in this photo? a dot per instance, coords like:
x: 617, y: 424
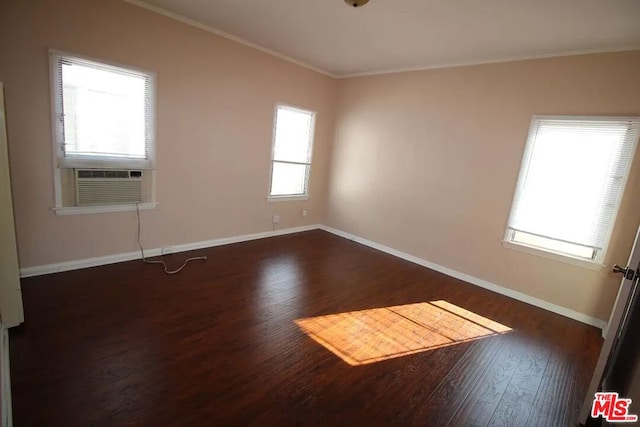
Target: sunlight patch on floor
x: 368, y: 336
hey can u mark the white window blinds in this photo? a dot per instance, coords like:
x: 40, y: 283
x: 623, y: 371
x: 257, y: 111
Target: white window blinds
x: 103, y: 114
x: 572, y: 178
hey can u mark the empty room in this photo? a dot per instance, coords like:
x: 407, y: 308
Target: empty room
x: 303, y: 212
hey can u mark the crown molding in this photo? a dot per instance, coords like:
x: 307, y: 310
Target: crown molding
x: 210, y: 29
x: 487, y: 61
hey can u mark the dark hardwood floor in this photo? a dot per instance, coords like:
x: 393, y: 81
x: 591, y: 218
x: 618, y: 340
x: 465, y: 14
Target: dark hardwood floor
x: 217, y: 344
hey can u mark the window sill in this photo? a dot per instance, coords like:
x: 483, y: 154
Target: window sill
x: 81, y: 210
x: 591, y: 265
x: 287, y: 198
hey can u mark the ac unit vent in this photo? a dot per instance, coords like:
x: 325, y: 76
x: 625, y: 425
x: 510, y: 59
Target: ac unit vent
x: 108, y: 187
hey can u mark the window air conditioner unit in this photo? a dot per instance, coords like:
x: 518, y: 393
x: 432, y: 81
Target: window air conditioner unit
x: 108, y: 187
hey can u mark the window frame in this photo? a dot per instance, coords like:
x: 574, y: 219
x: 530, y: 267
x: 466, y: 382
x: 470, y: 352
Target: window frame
x: 57, y: 98
x: 307, y: 179
x: 597, y: 261
x: 147, y: 164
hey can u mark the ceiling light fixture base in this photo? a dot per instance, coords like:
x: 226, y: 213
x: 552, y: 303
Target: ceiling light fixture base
x: 356, y: 3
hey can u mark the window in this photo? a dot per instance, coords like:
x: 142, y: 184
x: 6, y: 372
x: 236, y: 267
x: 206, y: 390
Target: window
x: 103, y: 114
x: 291, y: 156
x: 571, y: 181
x: 103, y: 121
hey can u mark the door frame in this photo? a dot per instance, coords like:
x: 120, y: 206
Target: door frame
x: 615, y: 329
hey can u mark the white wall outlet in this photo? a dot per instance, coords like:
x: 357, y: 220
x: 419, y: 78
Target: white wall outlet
x: 276, y: 219
x: 305, y: 212
x: 167, y: 250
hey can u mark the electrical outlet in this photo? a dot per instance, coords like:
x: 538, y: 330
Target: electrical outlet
x: 276, y: 219
x: 304, y: 212
x: 168, y: 250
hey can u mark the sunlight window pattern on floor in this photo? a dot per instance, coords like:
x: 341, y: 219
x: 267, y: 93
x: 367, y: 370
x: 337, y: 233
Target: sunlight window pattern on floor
x: 368, y: 336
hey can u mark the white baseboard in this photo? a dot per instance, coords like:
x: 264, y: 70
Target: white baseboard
x: 5, y: 374
x: 589, y: 320
x: 112, y: 259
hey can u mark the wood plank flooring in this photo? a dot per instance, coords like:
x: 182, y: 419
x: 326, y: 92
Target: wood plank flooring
x: 218, y: 345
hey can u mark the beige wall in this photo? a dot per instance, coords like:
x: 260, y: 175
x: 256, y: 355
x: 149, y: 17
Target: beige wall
x: 424, y: 162
x: 215, y: 106
x: 427, y: 162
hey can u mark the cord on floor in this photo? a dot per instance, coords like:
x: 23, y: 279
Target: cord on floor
x: 166, y: 269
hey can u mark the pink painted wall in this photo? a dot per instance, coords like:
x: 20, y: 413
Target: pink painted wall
x: 215, y: 106
x: 427, y: 162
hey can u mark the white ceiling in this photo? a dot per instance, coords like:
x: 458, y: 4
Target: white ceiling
x: 389, y: 35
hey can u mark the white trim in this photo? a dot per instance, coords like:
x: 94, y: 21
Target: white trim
x: 514, y: 58
x: 605, y: 330
x: 60, y: 161
x: 563, y: 311
x: 529, y: 149
x: 272, y: 199
x: 112, y: 259
x: 116, y: 66
x: 226, y: 35
x: 554, y: 256
x: 484, y: 61
x: 582, y: 118
x: 79, y: 210
x: 511, y: 58
x: 7, y: 416
x: 55, y: 124
x: 307, y: 178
